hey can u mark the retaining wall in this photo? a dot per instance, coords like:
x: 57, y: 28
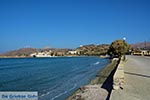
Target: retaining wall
x: 118, y: 78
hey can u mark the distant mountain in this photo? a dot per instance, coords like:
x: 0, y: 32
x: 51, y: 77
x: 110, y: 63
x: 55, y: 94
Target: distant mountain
x: 142, y: 45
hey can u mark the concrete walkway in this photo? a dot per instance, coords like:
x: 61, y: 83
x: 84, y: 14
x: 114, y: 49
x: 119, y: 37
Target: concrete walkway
x: 137, y: 80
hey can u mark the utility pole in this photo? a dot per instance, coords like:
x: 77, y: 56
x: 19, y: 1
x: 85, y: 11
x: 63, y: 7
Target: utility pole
x: 145, y: 45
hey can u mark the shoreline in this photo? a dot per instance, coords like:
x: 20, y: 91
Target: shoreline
x: 45, y: 57
x: 91, y: 89
x: 104, y: 73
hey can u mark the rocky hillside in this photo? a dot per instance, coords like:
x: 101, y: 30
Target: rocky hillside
x: 93, y: 49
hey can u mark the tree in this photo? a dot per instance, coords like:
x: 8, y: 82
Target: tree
x: 118, y: 48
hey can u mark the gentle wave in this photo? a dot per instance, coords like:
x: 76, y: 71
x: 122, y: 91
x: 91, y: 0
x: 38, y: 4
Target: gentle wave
x: 64, y: 92
x: 52, y: 88
x: 96, y: 63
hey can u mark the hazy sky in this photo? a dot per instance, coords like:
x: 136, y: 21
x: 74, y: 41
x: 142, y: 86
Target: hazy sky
x: 70, y: 23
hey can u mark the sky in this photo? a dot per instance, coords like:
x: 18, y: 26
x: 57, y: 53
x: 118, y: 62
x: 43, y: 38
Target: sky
x: 71, y: 23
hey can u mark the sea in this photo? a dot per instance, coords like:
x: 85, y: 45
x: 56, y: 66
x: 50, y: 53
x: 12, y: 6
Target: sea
x: 53, y: 78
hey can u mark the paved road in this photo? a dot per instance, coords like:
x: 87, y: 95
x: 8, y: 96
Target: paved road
x: 137, y: 80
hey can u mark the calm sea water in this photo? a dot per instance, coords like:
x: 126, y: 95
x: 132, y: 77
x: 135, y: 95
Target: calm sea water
x: 53, y: 78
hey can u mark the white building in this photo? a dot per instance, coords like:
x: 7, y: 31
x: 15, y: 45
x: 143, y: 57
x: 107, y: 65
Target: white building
x: 72, y: 52
x: 42, y: 54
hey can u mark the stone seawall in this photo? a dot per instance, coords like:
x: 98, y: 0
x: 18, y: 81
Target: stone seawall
x: 118, y: 78
x: 99, y: 88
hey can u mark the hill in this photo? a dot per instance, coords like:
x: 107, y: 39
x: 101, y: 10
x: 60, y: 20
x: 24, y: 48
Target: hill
x: 89, y: 50
x: 93, y: 49
x: 20, y: 52
x: 25, y: 52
